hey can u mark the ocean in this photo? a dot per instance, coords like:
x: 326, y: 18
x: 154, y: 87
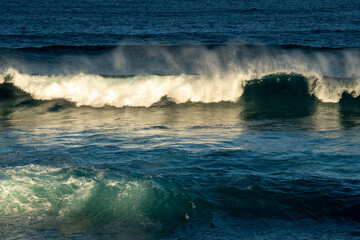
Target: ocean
x: 179, y: 119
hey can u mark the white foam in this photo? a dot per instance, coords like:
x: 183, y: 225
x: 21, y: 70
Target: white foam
x: 31, y: 190
x: 34, y: 191
x: 98, y: 91
x: 331, y: 89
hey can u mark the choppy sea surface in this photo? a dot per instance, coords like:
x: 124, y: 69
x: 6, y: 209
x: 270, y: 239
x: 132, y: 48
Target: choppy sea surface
x: 179, y: 119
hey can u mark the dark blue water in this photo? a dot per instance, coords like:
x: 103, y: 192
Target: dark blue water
x: 318, y: 23
x: 179, y: 119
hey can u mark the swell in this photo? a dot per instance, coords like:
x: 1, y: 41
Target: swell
x: 288, y: 90
x: 309, y: 198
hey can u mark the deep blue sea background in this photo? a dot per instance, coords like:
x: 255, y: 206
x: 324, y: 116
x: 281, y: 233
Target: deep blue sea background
x: 179, y: 119
x: 317, y: 23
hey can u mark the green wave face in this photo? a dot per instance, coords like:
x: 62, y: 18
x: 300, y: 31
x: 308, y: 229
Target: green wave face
x: 73, y: 200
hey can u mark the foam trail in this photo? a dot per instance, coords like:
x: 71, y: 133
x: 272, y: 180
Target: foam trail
x: 142, y: 90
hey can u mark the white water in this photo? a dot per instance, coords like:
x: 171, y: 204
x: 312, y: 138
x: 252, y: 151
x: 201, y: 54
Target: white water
x: 98, y: 91
x: 145, y: 90
x: 35, y: 191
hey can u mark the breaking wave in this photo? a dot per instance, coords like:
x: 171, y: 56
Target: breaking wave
x: 146, y: 90
x: 77, y: 199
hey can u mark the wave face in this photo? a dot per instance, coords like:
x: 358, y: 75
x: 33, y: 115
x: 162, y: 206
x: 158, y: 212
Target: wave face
x: 146, y: 90
x: 277, y: 95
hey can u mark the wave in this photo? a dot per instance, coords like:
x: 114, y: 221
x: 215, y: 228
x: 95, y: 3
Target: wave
x: 147, y: 90
x: 77, y: 199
